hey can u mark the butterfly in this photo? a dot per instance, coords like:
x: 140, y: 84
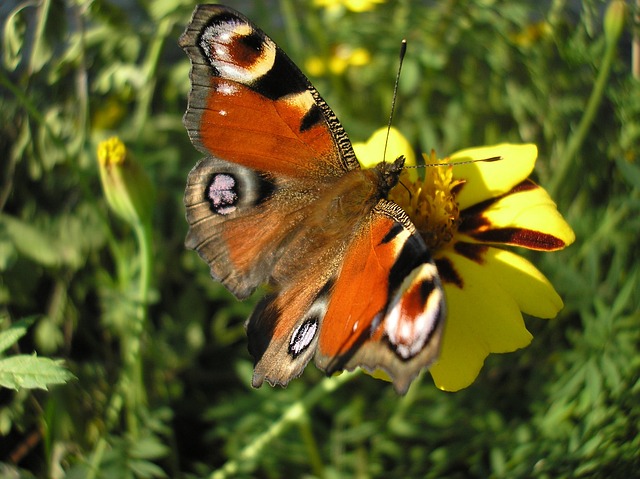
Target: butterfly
x: 280, y: 199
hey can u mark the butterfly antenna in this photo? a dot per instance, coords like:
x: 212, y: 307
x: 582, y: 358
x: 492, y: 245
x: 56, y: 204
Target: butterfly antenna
x: 403, y: 51
x: 458, y: 163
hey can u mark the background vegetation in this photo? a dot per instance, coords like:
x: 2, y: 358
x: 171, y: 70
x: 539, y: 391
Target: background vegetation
x: 477, y: 72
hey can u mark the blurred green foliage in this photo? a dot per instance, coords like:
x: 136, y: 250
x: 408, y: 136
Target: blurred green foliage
x: 477, y: 72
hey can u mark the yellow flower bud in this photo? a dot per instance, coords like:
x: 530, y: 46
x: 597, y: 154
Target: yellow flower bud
x: 126, y: 186
x: 614, y: 20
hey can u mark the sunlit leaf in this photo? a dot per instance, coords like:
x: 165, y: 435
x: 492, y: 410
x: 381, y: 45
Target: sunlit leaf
x: 12, y: 334
x: 29, y: 372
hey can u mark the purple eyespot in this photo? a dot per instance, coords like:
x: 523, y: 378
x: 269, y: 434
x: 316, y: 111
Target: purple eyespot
x: 222, y: 194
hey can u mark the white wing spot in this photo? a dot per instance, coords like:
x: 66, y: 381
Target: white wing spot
x: 410, y: 334
x: 302, y: 337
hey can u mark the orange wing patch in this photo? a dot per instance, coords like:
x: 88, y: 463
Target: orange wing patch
x: 244, y: 127
x: 386, y: 309
x: 360, y: 295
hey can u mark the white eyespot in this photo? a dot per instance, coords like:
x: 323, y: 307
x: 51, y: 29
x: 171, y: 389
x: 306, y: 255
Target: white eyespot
x: 412, y: 318
x: 303, y: 336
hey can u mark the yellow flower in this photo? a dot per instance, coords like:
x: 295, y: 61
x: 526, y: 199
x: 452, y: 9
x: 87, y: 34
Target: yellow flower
x: 466, y: 213
x: 371, y: 153
x: 353, y: 5
x: 343, y: 56
x: 531, y: 34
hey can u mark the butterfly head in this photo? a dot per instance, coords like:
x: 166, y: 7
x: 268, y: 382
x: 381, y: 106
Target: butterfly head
x: 389, y: 174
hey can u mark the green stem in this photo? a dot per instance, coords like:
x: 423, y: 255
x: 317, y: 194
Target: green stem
x: 130, y: 391
x: 296, y: 412
x: 96, y: 459
x: 38, y: 37
x: 111, y: 418
x: 292, y: 27
x: 150, y: 68
x: 135, y: 392
x: 313, y: 451
x: 577, y: 139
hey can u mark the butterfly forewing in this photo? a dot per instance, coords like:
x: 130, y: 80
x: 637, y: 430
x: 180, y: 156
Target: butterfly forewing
x: 251, y: 105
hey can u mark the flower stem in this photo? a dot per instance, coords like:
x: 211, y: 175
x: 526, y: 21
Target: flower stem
x: 577, y: 139
x: 293, y: 415
x: 37, y: 58
x: 96, y: 459
x: 130, y: 391
x: 313, y: 451
x: 111, y: 418
x: 150, y: 69
x: 136, y: 393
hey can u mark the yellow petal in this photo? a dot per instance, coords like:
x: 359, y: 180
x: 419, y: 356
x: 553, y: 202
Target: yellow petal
x: 531, y: 290
x: 360, y: 57
x: 527, y: 218
x: 486, y: 180
x: 482, y: 318
x: 337, y: 65
x: 315, y: 66
x: 370, y: 153
x: 361, y: 5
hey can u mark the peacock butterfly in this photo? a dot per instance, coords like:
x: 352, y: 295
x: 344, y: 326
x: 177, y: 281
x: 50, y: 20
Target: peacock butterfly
x: 280, y: 198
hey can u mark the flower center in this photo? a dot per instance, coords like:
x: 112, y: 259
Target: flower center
x: 430, y: 203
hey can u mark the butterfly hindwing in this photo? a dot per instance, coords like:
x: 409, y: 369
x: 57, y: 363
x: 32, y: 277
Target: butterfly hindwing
x: 237, y: 218
x: 387, y: 306
x: 283, y: 331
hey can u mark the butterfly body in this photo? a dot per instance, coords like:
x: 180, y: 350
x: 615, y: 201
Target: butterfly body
x: 281, y: 199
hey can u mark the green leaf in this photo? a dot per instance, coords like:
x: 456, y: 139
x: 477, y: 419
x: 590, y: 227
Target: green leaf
x: 148, y: 448
x: 30, y: 372
x: 11, y: 336
x: 8, y: 252
x: 30, y: 241
x: 13, y: 39
x: 146, y: 469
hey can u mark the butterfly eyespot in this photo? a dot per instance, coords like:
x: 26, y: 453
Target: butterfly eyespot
x: 303, y: 336
x: 237, y: 51
x: 416, y: 313
x: 222, y: 194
